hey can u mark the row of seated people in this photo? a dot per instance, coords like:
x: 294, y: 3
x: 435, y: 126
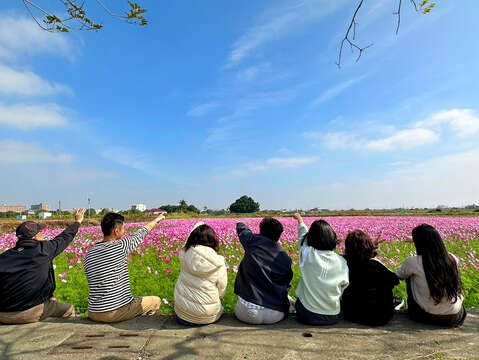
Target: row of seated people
x: 355, y: 286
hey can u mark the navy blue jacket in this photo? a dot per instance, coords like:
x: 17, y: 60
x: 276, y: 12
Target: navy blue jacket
x: 27, y: 278
x: 264, y: 275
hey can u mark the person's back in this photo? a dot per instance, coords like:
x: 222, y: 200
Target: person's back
x: 27, y: 277
x: 368, y: 299
x: 203, y: 279
x: 433, y: 281
x: 324, y: 274
x: 264, y: 275
x: 106, y: 269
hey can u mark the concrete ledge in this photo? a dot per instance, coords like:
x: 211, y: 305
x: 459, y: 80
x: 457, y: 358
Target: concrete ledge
x: 161, y: 338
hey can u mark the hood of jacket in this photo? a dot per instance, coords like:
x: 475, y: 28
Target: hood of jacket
x: 200, y: 260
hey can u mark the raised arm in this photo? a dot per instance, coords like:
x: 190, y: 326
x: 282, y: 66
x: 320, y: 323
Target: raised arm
x: 130, y: 243
x: 302, y: 229
x: 244, y: 233
x: 60, y: 242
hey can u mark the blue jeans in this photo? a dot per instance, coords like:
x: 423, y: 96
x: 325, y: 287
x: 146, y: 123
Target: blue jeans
x: 307, y: 317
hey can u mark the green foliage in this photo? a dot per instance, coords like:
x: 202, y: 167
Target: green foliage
x: 77, y: 15
x: 183, y: 207
x: 426, y: 6
x: 150, y: 274
x: 244, y: 204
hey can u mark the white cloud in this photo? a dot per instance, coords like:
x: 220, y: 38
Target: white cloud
x: 278, y: 22
x: 16, y: 152
x: 291, y: 162
x: 22, y: 36
x: 29, y: 117
x: 404, y: 139
x: 27, y: 83
x: 464, y: 122
x: 449, y: 180
x: 202, y: 109
x: 335, y: 91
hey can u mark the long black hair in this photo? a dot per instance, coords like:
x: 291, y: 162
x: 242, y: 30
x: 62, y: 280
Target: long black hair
x: 321, y: 236
x: 203, y: 235
x: 440, y: 268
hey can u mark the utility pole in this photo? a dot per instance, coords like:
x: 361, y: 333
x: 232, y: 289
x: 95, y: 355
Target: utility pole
x: 59, y: 207
x: 89, y: 208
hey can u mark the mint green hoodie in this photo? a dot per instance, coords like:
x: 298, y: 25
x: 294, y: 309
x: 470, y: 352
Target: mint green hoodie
x: 324, y: 276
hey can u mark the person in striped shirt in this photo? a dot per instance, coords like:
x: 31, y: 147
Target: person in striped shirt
x: 110, y: 299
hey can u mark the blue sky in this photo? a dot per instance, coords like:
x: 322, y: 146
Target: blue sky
x: 214, y: 100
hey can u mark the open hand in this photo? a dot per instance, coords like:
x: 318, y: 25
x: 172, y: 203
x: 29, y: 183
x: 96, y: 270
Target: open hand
x: 79, y: 214
x: 160, y: 217
x: 298, y: 217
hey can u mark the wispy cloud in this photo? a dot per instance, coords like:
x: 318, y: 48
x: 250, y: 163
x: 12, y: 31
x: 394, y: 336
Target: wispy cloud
x: 252, y: 167
x: 202, y: 110
x: 403, y: 140
x: 335, y: 91
x: 463, y: 122
x: 131, y: 159
x: 30, y: 117
x: 16, y: 152
x: 276, y: 23
x: 26, y: 83
x: 21, y: 36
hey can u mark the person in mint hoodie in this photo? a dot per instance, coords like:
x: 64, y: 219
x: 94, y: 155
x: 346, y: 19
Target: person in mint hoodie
x: 324, y: 274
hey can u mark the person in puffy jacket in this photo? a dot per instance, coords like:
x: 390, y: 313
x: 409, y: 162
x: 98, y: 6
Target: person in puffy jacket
x: 203, y: 279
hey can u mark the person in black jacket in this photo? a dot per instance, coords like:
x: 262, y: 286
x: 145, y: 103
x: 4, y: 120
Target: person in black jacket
x: 27, y: 279
x: 264, y: 275
x: 369, y: 299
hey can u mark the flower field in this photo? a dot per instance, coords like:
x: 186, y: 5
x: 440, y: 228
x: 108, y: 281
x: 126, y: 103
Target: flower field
x: 154, y: 267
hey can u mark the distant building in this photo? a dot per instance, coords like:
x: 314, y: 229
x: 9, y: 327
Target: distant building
x: 22, y: 217
x: 41, y: 206
x: 154, y: 211
x: 44, y: 215
x: 14, y: 208
x: 140, y: 207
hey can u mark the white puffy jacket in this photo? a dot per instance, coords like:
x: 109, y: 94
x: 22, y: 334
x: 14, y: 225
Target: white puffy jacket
x: 201, y: 285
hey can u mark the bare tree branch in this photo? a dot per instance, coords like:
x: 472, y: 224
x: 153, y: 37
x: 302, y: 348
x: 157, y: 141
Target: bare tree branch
x: 348, y: 40
x: 424, y: 7
x: 398, y: 13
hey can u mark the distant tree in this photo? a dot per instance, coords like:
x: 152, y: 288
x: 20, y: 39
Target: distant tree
x: 192, y: 208
x: 244, y: 204
x: 183, y: 206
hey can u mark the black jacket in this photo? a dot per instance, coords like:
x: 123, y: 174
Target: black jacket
x: 369, y: 297
x: 264, y: 275
x: 27, y: 278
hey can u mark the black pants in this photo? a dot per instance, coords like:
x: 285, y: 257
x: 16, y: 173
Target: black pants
x: 307, y: 317
x: 416, y: 313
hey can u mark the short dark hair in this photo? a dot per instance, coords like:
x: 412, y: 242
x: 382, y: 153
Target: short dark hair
x: 271, y: 228
x: 358, y: 247
x: 203, y: 235
x: 321, y: 236
x: 110, y: 221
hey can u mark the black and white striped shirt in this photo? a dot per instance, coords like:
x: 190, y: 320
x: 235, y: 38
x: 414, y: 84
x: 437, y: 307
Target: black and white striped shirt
x: 106, y: 270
